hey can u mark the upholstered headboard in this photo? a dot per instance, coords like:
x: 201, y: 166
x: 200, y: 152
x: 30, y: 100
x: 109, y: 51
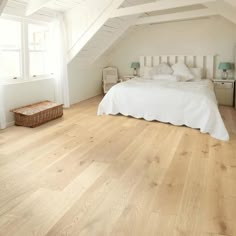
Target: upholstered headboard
x: 207, y: 63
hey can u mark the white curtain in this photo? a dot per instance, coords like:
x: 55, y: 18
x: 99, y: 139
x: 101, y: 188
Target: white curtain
x: 2, y: 109
x: 59, y: 61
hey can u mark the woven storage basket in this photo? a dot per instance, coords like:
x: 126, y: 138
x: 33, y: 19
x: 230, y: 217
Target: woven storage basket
x: 36, y: 114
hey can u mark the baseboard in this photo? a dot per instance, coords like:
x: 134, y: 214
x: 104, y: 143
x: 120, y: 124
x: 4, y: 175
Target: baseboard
x: 88, y: 98
x: 9, y: 124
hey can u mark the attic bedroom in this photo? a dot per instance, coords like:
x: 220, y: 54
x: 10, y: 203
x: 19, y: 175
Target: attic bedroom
x: 117, y: 117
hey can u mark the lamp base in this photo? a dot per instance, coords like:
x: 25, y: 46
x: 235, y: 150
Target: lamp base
x: 135, y: 72
x: 224, y: 75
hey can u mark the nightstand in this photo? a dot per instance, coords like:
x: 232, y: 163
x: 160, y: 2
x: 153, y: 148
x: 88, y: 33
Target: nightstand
x: 224, y: 90
x: 127, y: 77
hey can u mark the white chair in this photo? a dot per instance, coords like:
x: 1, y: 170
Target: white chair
x: 110, y: 78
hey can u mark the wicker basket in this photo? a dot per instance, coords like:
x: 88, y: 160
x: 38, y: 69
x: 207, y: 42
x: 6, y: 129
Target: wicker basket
x: 36, y: 114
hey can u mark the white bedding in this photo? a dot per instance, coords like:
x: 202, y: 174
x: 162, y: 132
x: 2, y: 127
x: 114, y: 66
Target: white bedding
x: 180, y: 103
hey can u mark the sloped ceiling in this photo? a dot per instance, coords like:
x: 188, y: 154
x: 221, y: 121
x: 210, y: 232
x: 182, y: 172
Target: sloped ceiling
x: 112, y: 28
x: 107, y: 33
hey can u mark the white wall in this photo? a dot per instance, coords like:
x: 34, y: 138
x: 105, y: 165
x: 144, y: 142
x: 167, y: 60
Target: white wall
x: 85, y: 82
x: 21, y: 94
x: 79, y: 19
x: 196, y: 37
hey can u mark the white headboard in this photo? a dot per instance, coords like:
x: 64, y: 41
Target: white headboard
x: 207, y: 63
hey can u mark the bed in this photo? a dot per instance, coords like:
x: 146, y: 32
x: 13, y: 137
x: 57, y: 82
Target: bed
x: 180, y: 103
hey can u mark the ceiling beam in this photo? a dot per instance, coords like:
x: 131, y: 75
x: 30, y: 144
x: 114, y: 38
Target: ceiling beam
x: 156, y: 6
x: 176, y: 16
x: 3, y: 3
x: 35, y: 5
x: 93, y: 28
x: 224, y: 9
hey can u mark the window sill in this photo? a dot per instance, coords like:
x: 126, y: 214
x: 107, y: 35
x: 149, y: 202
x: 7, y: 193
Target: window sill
x: 21, y: 81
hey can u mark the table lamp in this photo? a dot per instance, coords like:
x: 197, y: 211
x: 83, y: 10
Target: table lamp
x: 135, y: 66
x: 225, y: 66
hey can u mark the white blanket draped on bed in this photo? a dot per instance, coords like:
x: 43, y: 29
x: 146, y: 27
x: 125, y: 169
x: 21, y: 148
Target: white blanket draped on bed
x: 180, y: 103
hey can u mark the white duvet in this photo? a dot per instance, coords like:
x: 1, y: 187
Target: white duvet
x: 180, y: 103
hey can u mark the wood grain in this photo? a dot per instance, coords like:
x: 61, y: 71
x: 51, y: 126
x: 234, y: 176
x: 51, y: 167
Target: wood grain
x: 113, y: 175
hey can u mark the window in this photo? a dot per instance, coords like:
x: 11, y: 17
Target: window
x: 10, y: 49
x: 38, y: 46
x: 24, y: 49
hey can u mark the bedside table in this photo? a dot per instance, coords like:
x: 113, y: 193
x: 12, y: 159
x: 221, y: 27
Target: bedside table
x: 127, y: 77
x: 224, y: 90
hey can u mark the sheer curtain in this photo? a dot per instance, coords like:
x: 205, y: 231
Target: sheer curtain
x: 59, y: 60
x: 2, y: 110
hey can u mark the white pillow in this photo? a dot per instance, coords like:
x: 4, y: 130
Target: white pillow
x: 163, y: 69
x: 197, y: 73
x: 180, y: 69
x: 147, y: 72
x: 167, y: 77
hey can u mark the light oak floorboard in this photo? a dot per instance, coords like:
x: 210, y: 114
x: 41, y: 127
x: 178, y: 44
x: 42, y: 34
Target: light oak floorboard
x: 85, y: 175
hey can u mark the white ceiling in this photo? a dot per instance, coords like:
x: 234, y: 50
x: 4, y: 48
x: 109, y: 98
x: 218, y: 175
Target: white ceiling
x: 56, y: 5
x: 121, y: 19
x: 19, y: 7
x: 64, y: 5
x: 175, y: 10
x: 60, y: 5
x: 128, y: 3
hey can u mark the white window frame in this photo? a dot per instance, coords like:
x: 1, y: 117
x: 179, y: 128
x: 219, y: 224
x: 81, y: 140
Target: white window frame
x: 11, y: 18
x: 24, y: 51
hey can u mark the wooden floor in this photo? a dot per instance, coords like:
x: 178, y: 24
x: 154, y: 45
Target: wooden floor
x: 85, y: 175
